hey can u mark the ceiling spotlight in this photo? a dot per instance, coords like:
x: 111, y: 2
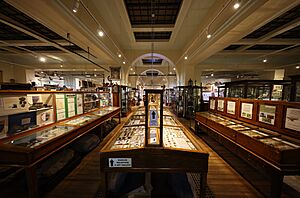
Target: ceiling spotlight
x: 76, y: 5
x: 120, y: 55
x: 124, y: 62
x: 61, y: 65
x: 42, y: 59
x: 212, y: 74
x: 174, y: 68
x: 131, y: 69
x: 100, y: 33
x: 95, y: 75
x: 297, y: 67
x: 170, y: 72
x: 42, y: 72
x: 265, y: 60
x: 185, y: 57
x: 208, y: 36
x: 206, y: 76
x: 236, y: 5
x: 95, y: 69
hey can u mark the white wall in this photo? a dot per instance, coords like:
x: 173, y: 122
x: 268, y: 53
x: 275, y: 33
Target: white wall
x: 11, y: 71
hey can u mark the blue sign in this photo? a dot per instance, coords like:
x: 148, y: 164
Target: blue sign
x: 153, y: 118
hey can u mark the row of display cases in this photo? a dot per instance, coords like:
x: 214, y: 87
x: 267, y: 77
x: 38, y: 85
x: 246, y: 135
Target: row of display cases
x: 24, y: 110
x: 268, y: 144
x: 28, y: 149
x: 280, y: 116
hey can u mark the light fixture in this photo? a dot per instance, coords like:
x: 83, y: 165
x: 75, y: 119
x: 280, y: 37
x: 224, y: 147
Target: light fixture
x: 265, y: 60
x: 95, y: 75
x: 212, y: 74
x: 42, y: 59
x: 76, y: 5
x: 119, y: 55
x: 95, y: 69
x: 100, y: 33
x: 42, y: 72
x: 131, y: 69
x: 124, y: 62
x: 297, y: 67
x: 236, y: 5
x: 170, y: 72
x: 208, y: 36
x: 185, y: 57
x: 174, y: 68
x: 206, y: 76
x: 61, y: 65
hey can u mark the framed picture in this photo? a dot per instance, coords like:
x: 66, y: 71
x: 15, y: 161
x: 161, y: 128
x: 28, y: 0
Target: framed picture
x: 267, y: 114
x: 212, y: 104
x: 231, y: 107
x: 220, y: 105
x: 292, y: 119
x: 246, y: 111
x: 115, y: 73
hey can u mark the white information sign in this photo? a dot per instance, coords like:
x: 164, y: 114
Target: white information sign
x: 119, y: 162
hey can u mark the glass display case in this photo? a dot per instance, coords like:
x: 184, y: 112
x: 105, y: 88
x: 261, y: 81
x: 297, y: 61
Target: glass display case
x: 154, y: 118
x: 79, y: 121
x: 295, y: 89
x: 41, y: 136
x: 259, y: 89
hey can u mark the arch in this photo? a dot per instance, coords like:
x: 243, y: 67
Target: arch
x: 146, y: 56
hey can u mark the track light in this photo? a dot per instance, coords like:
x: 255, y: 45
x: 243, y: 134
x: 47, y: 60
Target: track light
x: 265, y: 60
x: 208, y: 36
x: 120, y: 55
x: 236, y: 5
x: 61, y: 66
x: 76, y: 5
x: 174, y: 68
x: 212, y: 74
x: 185, y: 57
x: 297, y: 67
x: 100, y: 33
x: 42, y: 59
x: 124, y: 62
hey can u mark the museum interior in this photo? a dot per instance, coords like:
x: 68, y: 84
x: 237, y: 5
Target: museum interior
x: 149, y: 98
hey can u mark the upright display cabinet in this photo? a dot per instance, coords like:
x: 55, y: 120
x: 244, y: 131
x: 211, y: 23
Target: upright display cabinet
x: 154, y: 118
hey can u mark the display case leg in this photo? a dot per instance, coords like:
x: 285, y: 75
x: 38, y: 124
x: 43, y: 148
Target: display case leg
x: 203, y: 177
x: 276, y: 185
x: 148, y: 186
x: 31, y: 179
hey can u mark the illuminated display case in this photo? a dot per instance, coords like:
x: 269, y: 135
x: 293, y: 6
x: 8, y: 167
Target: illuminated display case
x: 137, y: 147
x: 263, y: 133
x: 154, y: 118
x: 259, y: 89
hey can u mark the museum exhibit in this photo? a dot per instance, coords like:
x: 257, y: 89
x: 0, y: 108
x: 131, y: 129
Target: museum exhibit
x: 149, y: 98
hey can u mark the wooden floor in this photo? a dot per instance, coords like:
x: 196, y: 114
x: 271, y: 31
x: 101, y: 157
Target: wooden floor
x: 223, y: 180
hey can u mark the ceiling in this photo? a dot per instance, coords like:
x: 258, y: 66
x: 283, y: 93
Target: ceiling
x: 240, y: 39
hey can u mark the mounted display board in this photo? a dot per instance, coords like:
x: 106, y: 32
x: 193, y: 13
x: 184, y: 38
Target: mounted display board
x: 247, y: 110
x: 231, y: 107
x: 267, y: 114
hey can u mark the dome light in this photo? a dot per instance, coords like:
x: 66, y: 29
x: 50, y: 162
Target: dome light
x: 42, y: 59
x: 100, y: 33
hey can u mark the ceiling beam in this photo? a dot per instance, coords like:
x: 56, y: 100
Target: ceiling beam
x: 274, y: 33
x: 33, y: 43
x: 274, y: 41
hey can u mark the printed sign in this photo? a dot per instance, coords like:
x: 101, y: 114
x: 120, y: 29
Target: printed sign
x: 153, y: 118
x: 119, y: 162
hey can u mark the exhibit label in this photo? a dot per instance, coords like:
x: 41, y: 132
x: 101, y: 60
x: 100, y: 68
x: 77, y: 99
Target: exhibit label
x: 119, y: 162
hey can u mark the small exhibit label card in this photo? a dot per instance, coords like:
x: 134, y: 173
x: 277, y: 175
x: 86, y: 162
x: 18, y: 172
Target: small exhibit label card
x: 119, y: 162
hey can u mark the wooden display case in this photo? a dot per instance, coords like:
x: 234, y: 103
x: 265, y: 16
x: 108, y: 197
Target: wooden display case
x: 39, y: 139
x: 267, y: 130
x: 128, y: 151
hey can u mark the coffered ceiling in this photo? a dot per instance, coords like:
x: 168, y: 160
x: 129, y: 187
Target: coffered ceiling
x: 240, y: 38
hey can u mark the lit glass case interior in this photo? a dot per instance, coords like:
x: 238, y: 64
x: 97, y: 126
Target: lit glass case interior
x: 80, y: 120
x: 42, y: 136
x: 154, y: 100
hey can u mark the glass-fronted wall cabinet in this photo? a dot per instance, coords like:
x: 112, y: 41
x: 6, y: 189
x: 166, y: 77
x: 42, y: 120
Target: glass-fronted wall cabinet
x: 22, y: 110
x: 295, y: 89
x: 259, y: 89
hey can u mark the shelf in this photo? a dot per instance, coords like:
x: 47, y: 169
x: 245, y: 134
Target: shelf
x: 13, y: 112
